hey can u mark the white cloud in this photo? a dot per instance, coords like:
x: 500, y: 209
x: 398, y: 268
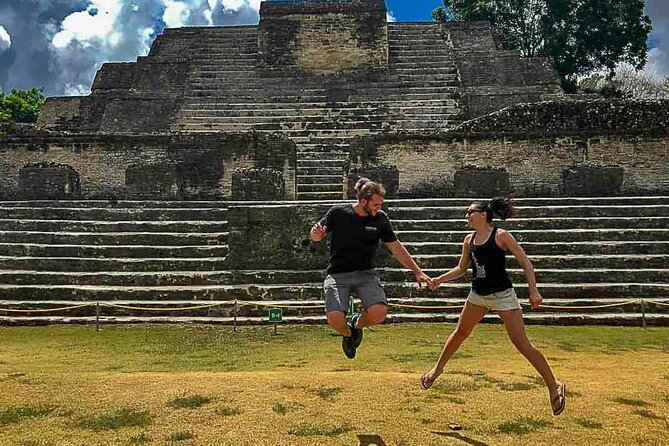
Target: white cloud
x: 176, y: 14
x: 96, y: 22
x: 390, y: 16
x: 658, y: 63
x: 5, y: 39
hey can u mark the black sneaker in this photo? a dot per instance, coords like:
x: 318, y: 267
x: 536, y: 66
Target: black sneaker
x: 356, y: 333
x: 348, y: 345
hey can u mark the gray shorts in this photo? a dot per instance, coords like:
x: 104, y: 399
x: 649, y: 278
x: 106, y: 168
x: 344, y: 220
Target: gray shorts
x: 365, y: 284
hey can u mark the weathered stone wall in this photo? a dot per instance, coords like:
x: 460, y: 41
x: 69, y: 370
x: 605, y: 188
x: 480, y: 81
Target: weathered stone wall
x: 493, y: 78
x: 196, y: 166
x: 537, y: 145
x: 323, y: 36
x: 275, y: 237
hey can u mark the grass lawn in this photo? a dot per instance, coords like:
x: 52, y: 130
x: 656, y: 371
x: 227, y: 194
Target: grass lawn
x: 202, y: 385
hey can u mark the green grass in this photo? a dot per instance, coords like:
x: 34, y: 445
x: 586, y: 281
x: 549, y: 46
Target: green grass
x: 450, y: 385
x: 327, y: 393
x: 523, y: 425
x: 516, y: 386
x: 590, y: 424
x: 630, y: 402
x: 16, y: 414
x: 325, y: 431
x: 139, y: 439
x: 228, y: 411
x: 180, y: 436
x: 647, y: 413
x: 189, y: 402
x: 126, y: 417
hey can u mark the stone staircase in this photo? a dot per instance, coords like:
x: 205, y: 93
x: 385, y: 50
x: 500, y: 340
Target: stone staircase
x: 167, y: 255
x: 229, y: 92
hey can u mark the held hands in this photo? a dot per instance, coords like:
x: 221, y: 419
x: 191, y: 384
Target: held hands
x: 318, y: 232
x: 434, y: 284
x: 423, y: 278
x: 535, y: 299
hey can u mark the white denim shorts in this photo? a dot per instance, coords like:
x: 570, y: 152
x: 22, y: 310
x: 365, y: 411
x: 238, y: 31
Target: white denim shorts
x: 503, y: 301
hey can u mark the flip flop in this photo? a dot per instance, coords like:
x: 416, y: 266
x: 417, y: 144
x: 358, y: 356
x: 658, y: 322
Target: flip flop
x: 560, y: 400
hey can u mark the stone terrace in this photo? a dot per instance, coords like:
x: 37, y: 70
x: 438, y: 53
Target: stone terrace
x: 586, y: 251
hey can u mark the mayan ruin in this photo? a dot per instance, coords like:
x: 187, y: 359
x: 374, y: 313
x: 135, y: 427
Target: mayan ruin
x: 193, y: 174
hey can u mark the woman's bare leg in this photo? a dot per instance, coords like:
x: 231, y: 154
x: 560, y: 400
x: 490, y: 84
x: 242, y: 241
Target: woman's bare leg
x: 470, y: 316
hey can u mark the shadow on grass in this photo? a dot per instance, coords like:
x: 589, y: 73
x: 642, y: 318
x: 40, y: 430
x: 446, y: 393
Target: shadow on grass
x: 523, y: 425
x: 324, y: 431
x: 590, y: 424
x: 188, y: 402
x: 630, y: 402
x: 180, y: 436
x: 327, y: 393
x: 371, y: 440
x: 15, y: 414
x: 647, y: 413
x: 228, y: 411
x: 463, y: 438
x: 116, y: 420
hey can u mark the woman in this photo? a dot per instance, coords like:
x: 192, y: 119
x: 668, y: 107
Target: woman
x: 492, y: 290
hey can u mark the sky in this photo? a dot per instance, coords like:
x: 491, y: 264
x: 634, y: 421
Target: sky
x: 60, y: 44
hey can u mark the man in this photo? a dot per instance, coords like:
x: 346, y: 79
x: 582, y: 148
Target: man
x: 355, y: 231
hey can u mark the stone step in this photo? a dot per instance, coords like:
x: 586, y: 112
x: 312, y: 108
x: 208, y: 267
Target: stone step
x: 540, y: 223
x: 115, y: 238
x: 572, y: 291
x: 543, y: 248
x: 112, y: 214
x: 111, y: 251
x: 296, y: 278
x: 122, y: 204
x: 535, y: 201
x: 51, y: 225
x: 81, y: 264
x: 631, y: 319
x: 313, y: 179
x: 338, y: 162
x: 224, y: 122
x: 206, y: 103
x: 310, y: 196
x: 554, y: 261
x: 544, y: 235
x: 329, y: 171
x: 585, y: 211
x: 321, y: 187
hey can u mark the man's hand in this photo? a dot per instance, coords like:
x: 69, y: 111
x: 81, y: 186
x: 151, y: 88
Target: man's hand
x: 434, y: 284
x: 318, y: 232
x: 535, y: 299
x: 423, y: 278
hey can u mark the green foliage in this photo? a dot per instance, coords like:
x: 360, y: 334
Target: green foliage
x: 21, y: 105
x: 581, y: 36
x: 189, y: 402
x: 116, y: 420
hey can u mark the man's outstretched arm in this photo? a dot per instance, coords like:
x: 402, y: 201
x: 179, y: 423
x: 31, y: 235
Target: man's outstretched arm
x: 402, y: 255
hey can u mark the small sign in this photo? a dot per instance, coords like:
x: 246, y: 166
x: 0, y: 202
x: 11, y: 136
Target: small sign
x: 275, y: 315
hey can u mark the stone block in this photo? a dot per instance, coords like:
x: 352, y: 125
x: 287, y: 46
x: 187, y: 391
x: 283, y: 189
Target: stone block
x: 49, y: 181
x: 258, y: 184
x: 156, y: 182
x: 481, y: 182
x: 592, y: 181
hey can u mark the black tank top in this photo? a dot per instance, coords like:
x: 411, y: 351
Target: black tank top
x: 489, y: 266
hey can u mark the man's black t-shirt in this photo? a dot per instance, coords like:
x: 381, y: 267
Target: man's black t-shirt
x: 354, y: 239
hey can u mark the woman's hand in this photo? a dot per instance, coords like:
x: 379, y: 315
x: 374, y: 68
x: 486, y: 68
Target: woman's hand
x: 434, y: 284
x: 535, y: 299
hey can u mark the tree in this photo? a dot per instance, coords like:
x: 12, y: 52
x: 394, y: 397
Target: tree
x: 581, y: 36
x: 21, y: 105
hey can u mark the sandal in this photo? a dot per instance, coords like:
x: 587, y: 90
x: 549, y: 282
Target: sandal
x: 559, y: 402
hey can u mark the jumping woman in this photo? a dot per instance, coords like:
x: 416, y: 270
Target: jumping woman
x: 486, y: 250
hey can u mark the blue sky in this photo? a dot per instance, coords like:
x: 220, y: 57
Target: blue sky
x: 412, y: 10
x: 60, y: 44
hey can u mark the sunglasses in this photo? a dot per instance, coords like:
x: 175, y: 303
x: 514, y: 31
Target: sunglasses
x: 472, y: 211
